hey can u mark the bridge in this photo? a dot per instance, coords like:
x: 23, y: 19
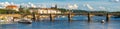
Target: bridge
x: 69, y: 15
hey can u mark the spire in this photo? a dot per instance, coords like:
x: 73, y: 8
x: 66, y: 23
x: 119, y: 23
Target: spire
x: 56, y: 6
x: 20, y: 6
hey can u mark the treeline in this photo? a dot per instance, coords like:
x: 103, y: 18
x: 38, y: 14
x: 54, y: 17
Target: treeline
x: 73, y: 10
x: 83, y: 11
x: 8, y: 11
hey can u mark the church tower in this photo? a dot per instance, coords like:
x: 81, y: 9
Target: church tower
x: 55, y: 7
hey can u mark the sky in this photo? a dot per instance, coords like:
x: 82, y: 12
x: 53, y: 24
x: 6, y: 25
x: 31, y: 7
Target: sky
x: 90, y: 5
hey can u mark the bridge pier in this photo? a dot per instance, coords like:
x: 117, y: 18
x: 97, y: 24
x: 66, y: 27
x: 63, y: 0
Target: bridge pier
x: 51, y: 17
x: 13, y: 19
x: 69, y: 17
x: 89, y: 17
x: 34, y: 17
x: 38, y: 17
x: 108, y: 17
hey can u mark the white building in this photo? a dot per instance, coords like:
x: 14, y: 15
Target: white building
x: 45, y: 10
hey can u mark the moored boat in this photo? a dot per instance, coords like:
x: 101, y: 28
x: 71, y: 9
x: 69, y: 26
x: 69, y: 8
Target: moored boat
x: 25, y: 21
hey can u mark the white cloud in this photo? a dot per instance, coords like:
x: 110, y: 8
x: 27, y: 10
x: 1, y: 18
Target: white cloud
x: 102, y: 8
x: 90, y: 7
x: 75, y: 6
x: 6, y: 3
x: 115, y: 0
x: 32, y: 5
x: 70, y: 6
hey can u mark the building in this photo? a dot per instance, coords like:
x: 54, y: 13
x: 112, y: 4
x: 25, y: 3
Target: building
x: 51, y: 10
x: 48, y: 11
x: 55, y: 7
x: 45, y: 10
x: 12, y: 7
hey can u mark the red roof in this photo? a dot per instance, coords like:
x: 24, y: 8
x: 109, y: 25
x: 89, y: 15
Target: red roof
x: 11, y: 6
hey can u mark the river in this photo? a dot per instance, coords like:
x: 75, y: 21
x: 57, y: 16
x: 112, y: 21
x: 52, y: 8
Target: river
x: 62, y: 23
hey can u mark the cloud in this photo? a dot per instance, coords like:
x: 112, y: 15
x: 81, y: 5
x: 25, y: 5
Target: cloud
x: 75, y: 6
x: 102, y: 8
x: 90, y: 7
x: 115, y: 0
x: 31, y: 4
x: 70, y: 6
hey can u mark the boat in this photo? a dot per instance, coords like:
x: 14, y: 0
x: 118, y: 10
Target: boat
x: 63, y: 16
x: 25, y: 21
x: 102, y: 21
x: 1, y: 20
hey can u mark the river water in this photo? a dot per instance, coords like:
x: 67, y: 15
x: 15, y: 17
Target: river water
x: 80, y: 22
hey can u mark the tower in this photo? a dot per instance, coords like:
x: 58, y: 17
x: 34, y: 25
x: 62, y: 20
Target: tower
x: 55, y: 7
x: 20, y: 8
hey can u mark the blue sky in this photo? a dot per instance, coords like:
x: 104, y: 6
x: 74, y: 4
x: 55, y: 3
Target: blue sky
x: 97, y: 5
